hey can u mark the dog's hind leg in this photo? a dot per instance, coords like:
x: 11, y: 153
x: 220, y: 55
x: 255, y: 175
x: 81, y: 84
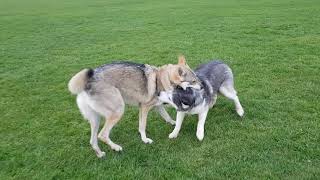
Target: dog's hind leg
x: 228, y: 91
x: 104, y: 135
x: 164, y: 114
x: 113, y: 108
x: 94, y: 124
x: 94, y: 119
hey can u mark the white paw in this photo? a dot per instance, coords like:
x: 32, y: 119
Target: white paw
x: 200, y: 135
x: 173, y: 135
x: 116, y: 147
x: 240, y: 112
x: 147, y: 140
x: 101, y: 154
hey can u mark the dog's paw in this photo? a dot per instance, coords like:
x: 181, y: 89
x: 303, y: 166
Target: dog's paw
x: 100, y: 154
x: 240, y: 112
x: 116, y: 147
x: 200, y: 135
x: 173, y: 135
x: 147, y: 140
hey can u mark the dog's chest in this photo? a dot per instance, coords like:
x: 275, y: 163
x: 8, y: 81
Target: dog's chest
x: 199, y: 108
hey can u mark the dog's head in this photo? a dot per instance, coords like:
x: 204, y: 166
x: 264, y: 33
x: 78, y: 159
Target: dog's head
x: 180, y: 74
x: 180, y: 99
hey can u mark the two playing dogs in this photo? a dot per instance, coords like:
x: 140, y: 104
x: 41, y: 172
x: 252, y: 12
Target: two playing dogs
x: 104, y: 91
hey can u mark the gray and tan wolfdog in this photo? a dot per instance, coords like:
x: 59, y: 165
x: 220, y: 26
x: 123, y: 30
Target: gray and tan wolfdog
x: 105, y: 90
x: 216, y: 77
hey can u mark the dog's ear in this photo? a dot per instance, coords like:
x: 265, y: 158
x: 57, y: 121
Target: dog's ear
x: 182, y: 60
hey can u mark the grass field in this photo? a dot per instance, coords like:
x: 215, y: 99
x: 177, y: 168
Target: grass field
x: 273, y: 47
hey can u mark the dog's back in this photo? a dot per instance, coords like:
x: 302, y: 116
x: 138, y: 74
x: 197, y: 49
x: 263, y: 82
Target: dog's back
x: 129, y: 78
x: 217, y: 76
x: 215, y: 73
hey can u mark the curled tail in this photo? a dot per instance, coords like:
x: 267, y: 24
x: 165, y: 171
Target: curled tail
x: 78, y: 82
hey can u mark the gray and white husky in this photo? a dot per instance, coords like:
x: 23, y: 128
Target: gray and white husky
x: 216, y: 77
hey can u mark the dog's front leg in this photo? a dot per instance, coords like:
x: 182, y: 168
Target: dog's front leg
x: 143, y: 114
x: 200, y: 128
x: 179, y: 120
x: 164, y: 114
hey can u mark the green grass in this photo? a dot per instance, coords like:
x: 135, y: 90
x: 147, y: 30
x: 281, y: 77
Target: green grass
x: 273, y: 47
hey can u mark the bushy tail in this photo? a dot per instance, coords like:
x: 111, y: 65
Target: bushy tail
x: 78, y: 82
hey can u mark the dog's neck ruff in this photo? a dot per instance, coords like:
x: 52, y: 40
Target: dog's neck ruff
x: 159, y: 84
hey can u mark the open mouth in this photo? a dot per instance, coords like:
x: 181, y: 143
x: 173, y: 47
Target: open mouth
x: 186, y: 84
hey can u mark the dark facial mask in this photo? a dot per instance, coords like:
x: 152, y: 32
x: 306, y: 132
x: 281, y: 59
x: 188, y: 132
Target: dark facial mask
x: 186, y: 97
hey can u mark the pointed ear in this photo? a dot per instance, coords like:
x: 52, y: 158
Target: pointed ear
x: 182, y: 60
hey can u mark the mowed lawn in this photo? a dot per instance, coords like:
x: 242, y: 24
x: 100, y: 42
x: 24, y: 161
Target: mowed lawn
x: 273, y: 47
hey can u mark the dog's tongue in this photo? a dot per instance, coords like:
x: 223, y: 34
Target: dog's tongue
x: 185, y: 106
